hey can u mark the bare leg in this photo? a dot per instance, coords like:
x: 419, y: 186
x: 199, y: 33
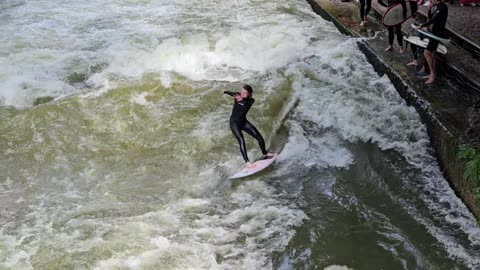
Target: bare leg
x: 431, y: 65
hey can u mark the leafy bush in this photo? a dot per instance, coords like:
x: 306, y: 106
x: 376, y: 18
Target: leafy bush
x: 472, y: 169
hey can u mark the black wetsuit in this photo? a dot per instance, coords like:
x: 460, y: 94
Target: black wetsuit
x: 239, y: 122
x: 364, y: 10
x: 439, y: 20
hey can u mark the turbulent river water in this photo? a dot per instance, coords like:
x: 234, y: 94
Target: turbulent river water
x: 127, y: 168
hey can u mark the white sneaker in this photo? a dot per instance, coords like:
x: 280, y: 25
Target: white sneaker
x: 426, y: 4
x: 474, y: 5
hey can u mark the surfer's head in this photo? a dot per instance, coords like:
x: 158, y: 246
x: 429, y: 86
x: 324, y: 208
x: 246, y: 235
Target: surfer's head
x: 247, y: 91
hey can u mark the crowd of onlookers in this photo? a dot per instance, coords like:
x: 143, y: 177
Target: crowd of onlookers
x: 435, y: 24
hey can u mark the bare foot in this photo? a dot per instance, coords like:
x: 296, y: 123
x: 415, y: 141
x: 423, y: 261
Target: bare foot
x: 426, y: 77
x: 389, y: 48
x: 402, y: 49
x: 250, y: 165
x: 430, y: 81
x: 362, y: 23
x: 269, y: 155
x: 413, y: 63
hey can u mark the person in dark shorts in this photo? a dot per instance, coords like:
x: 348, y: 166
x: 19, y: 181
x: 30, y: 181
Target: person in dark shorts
x: 243, y: 101
x: 438, y: 14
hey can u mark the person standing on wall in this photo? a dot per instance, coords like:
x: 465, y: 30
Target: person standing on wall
x: 438, y: 14
x: 397, y: 29
x: 364, y: 10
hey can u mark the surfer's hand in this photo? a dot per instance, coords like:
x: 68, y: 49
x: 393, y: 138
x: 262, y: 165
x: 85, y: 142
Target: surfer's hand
x: 238, y: 97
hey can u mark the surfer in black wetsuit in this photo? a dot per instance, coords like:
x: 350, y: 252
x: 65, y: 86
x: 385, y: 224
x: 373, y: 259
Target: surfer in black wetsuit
x: 364, y: 10
x: 238, y: 121
x: 397, y: 29
x: 438, y: 17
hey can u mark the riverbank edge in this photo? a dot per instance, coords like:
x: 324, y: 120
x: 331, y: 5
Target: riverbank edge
x: 443, y: 141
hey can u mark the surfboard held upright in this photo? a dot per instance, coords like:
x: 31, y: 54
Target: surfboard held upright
x: 260, y: 165
x: 397, y: 13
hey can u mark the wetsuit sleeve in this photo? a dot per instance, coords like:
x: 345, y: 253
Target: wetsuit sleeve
x: 249, y: 102
x: 436, y: 15
x: 231, y: 93
x: 382, y: 3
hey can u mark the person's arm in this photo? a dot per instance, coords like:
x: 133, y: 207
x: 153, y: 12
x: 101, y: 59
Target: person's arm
x: 382, y: 3
x: 231, y: 93
x: 437, y: 14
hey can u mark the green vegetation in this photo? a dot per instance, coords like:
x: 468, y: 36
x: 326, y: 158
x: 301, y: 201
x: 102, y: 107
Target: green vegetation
x: 76, y: 77
x: 472, y: 168
x: 41, y: 100
x: 81, y: 77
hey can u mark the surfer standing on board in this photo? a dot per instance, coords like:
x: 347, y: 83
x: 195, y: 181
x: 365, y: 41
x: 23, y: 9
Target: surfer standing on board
x: 243, y: 101
x: 397, y: 29
x: 438, y: 17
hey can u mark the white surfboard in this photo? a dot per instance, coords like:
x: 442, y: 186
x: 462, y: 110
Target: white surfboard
x: 260, y: 165
x: 430, y: 35
x: 423, y: 43
x: 394, y: 14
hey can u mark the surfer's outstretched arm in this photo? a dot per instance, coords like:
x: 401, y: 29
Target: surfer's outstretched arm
x: 230, y: 93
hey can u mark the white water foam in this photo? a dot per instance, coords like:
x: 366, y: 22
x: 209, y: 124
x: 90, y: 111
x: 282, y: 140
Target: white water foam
x: 127, y: 40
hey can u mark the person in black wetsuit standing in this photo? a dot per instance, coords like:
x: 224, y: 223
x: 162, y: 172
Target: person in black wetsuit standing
x: 364, y: 10
x: 397, y: 29
x: 437, y: 17
x: 238, y: 121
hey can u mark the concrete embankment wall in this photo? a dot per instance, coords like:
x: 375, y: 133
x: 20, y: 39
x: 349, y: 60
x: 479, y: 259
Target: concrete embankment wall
x: 444, y: 141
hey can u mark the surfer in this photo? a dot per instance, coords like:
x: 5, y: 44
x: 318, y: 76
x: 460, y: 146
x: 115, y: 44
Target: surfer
x: 397, y: 29
x: 437, y: 17
x: 243, y: 101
